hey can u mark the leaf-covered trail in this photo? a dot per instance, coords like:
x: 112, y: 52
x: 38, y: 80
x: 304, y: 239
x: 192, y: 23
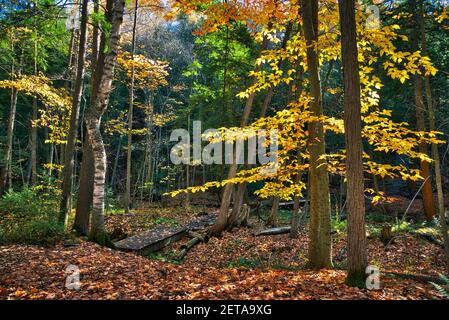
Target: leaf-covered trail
x: 226, y: 268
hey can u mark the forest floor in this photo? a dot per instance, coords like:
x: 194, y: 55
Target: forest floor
x: 235, y: 266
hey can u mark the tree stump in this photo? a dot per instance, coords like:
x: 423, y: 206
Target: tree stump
x: 386, y: 235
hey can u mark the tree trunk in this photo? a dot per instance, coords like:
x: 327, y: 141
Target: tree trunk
x: 356, y: 238
x: 114, y: 168
x: 435, y: 153
x: 320, y: 246
x: 266, y: 103
x: 5, y: 171
x: 149, y: 154
x: 428, y: 202
x: 273, y: 217
x: 33, y: 146
x: 65, y: 206
x: 187, y: 185
x: 130, y: 115
x: 222, y: 219
x: 237, y: 207
x: 297, y: 215
x: 84, y: 201
x: 104, y: 76
x: 295, y: 219
x: 97, y: 230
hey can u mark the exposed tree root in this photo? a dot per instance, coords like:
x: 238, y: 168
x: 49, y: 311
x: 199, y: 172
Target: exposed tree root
x: 196, y: 239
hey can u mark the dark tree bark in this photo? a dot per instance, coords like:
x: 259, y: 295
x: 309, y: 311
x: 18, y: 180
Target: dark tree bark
x: 33, y: 129
x: 435, y: 153
x: 5, y: 170
x: 273, y: 217
x: 356, y: 238
x: 65, y: 205
x: 130, y: 115
x: 428, y: 202
x: 84, y: 201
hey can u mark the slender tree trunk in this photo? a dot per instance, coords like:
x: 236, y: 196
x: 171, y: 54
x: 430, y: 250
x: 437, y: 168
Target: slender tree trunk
x: 130, y: 115
x: 273, y: 217
x: 238, y: 203
x: 435, y: 153
x: 222, y: 220
x: 65, y: 206
x: 295, y: 219
x: 22, y: 175
x: 72, y: 57
x: 241, y: 188
x: 187, y: 195
x: 5, y: 171
x: 114, y: 168
x: 356, y: 239
x: 97, y: 230
x: 84, y: 201
x: 320, y: 247
x: 33, y: 146
x: 428, y: 202
x: 50, y: 156
x: 105, y: 72
x: 148, y: 152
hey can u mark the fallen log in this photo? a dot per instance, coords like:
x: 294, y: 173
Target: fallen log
x: 273, y: 231
x: 291, y: 203
x: 187, y: 246
x: 429, y: 238
x: 417, y: 277
x: 193, y: 234
x: 266, y: 203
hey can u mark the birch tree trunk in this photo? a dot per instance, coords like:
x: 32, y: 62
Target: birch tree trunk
x: 105, y: 72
